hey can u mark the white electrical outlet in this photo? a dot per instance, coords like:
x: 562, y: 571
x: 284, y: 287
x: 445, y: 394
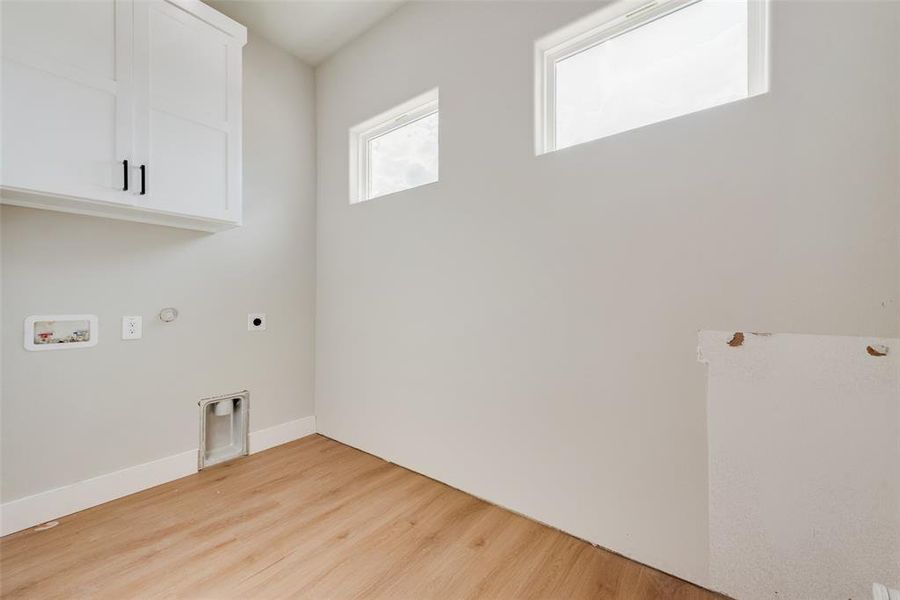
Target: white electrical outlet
x: 132, y: 328
x: 256, y: 322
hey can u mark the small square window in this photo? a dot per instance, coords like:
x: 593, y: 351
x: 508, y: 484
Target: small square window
x: 627, y: 66
x: 395, y: 151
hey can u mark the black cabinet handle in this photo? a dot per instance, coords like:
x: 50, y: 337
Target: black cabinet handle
x: 125, y: 174
x: 143, y: 180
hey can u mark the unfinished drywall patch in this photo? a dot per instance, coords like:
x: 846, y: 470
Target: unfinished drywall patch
x: 804, y: 464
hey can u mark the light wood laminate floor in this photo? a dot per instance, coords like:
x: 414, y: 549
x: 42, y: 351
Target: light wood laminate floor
x: 315, y: 519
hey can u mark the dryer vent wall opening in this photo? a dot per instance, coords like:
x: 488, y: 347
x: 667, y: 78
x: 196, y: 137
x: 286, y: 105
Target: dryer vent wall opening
x: 224, y: 427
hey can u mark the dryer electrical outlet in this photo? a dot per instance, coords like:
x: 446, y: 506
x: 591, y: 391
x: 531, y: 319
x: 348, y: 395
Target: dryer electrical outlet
x: 256, y: 322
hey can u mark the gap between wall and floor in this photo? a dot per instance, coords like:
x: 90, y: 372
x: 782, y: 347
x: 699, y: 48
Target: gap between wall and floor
x: 20, y: 514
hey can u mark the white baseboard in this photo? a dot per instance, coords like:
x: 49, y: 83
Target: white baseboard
x: 281, y: 434
x: 53, y: 504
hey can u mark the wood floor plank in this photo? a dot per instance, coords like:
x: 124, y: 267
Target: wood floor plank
x: 315, y: 519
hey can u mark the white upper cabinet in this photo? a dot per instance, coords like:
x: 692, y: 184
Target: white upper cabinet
x: 188, y: 117
x: 66, y: 99
x: 129, y: 109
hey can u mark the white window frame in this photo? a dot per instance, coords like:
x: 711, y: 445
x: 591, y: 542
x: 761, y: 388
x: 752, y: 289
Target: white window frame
x: 412, y: 110
x: 617, y: 19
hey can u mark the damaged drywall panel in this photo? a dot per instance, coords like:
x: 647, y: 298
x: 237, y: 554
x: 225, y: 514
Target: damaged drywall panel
x: 804, y: 464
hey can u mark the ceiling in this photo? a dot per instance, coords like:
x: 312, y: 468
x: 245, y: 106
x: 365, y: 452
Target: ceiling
x: 312, y: 30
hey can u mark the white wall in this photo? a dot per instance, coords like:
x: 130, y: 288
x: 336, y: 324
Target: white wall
x: 72, y: 415
x: 526, y: 328
x: 804, y: 450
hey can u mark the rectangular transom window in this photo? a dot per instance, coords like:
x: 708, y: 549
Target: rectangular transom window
x: 396, y: 150
x: 632, y: 64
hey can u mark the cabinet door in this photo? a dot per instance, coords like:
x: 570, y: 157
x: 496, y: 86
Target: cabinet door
x: 66, y: 97
x: 187, y: 112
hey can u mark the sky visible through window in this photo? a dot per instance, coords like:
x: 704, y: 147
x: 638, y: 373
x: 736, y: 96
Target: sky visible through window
x: 405, y: 157
x: 687, y: 61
